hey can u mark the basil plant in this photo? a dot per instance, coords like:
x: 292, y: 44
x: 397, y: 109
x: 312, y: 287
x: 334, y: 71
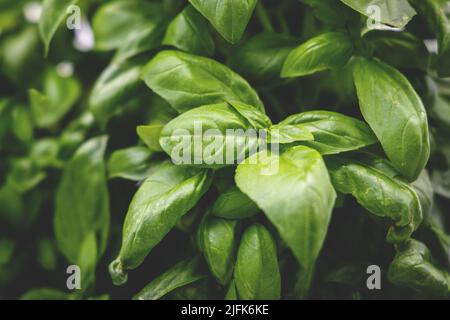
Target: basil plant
x: 240, y: 149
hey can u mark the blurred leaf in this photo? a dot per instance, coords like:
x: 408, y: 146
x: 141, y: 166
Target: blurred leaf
x: 130, y: 163
x: 82, y: 200
x: 182, y: 274
x: 53, y: 14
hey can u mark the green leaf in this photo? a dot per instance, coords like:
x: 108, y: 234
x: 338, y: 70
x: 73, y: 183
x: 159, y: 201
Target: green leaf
x: 24, y: 175
x: 261, y: 58
x: 218, y: 241
x: 234, y: 204
x: 187, y: 81
x: 393, y: 47
x: 150, y: 136
x: 130, y: 163
x: 82, y: 200
x: 53, y: 13
x: 44, y: 294
x: 288, y: 133
x: 381, y: 194
x: 229, y: 17
x: 303, y: 199
x: 58, y: 97
x: 115, y: 87
x: 189, y: 32
x: 211, y: 136
x: 44, y: 153
x: 440, y: 26
x: 333, y: 132
x: 117, y: 24
x: 167, y: 194
x: 394, y: 13
x: 395, y: 113
x: 330, y: 50
x: 182, y: 274
x: 415, y: 268
x: 232, y: 292
x: 257, y: 275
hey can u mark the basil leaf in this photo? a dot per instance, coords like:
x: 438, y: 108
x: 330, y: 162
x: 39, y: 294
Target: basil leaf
x: 118, y: 23
x: 395, y: 113
x: 232, y: 292
x: 393, y: 47
x: 189, y: 32
x: 233, y: 204
x: 165, y: 196
x: 180, y: 275
x: 187, y: 81
x: 53, y: 13
x: 130, y: 163
x: 414, y: 267
x: 380, y: 194
x: 287, y: 133
x: 394, y: 13
x: 229, y: 17
x: 211, y: 136
x: 218, y: 241
x: 261, y: 58
x: 330, y: 50
x: 150, y: 136
x: 333, y: 132
x: 82, y: 201
x: 300, y: 175
x: 440, y: 25
x: 114, y: 88
x: 257, y: 275
x: 58, y: 97
x: 146, y: 40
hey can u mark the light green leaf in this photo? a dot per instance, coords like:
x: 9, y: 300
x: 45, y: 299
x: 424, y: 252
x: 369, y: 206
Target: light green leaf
x: 150, y: 136
x: 187, y: 81
x: 333, y: 132
x: 288, y: 133
x: 394, y: 13
x: 330, y: 50
x: 229, y: 17
x: 211, y: 136
x: 117, y: 24
x: 295, y: 192
x: 395, y: 113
